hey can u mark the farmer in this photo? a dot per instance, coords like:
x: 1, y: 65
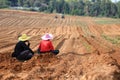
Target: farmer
x: 46, y: 44
x: 22, y: 51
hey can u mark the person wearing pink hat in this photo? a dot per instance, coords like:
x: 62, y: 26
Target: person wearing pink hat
x: 46, y: 44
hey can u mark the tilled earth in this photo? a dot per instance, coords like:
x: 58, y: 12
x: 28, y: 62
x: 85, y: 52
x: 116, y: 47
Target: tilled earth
x: 84, y: 53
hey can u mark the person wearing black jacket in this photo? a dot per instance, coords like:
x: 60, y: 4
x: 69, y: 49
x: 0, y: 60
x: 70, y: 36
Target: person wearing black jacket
x: 22, y: 49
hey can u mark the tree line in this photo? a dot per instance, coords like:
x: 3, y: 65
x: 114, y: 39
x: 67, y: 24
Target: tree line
x: 74, y: 7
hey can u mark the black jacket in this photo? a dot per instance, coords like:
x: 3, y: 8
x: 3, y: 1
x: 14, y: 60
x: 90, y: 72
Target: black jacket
x: 20, y: 47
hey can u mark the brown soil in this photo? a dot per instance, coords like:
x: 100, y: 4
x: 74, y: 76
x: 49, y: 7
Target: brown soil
x: 84, y: 54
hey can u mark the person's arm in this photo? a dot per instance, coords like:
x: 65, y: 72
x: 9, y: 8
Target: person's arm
x: 26, y: 47
x: 39, y: 48
x: 51, y: 46
x: 28, y: 43
x: 39, y: 45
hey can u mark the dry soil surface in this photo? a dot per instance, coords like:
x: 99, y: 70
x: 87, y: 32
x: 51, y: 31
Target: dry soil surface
x: 85, y: 54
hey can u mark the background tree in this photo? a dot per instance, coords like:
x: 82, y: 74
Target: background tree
x: 74, y: 7
x: 4, y: 3
x: 26, y: 3
x: 37, y: 3
x: 13, y: 2
x: 20, y: 3
x: 118, y: 9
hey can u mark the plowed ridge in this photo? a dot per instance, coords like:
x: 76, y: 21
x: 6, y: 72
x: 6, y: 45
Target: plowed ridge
x: 79, y: 40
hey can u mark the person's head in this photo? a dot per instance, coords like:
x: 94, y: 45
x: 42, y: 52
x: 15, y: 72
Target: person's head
x: 24, y: 38
x: 47, y: 36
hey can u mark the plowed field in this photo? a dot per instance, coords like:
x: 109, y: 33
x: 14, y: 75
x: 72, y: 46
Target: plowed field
x: 89, y: 47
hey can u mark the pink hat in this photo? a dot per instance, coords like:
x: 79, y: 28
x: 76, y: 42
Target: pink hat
x: 47, y: 36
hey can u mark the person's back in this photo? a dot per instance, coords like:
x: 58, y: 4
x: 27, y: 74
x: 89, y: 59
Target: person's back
x: 46, y: 45
x: 19, y: 48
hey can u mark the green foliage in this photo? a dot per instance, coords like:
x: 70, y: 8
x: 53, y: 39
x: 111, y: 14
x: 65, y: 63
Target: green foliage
x: 112, y: 21
x: 118, y: 7
x: 37, y: 3
x: 115, y: 40
x: 20, y: 3
x: 13, y: 2
x: 74, y: 7
x: 4, y: 3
